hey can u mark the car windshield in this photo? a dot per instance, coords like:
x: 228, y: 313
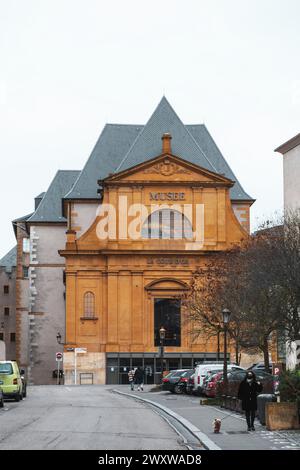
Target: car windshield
x: 178, y: 373
x: 188, y: 373
x: 6, y: 368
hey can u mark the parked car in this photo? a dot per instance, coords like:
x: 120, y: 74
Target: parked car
x: 260, y: 366
x: 1, y: 395
x: 208, y: 376
x: 202, y: 370
x: 12, y: 386
x: 189, y: 388
x: 176, y: 381
x: 209, y: 388
x: 235, y: 377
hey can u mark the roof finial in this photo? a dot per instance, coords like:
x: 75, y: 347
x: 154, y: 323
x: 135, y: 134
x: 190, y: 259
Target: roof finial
x: 166, y: 142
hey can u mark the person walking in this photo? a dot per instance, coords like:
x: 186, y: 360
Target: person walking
x: 248, y: 390
x: 131, y: 379
x: 139, y: 378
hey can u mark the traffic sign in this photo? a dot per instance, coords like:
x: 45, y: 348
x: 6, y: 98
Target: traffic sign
x: 59, y: 357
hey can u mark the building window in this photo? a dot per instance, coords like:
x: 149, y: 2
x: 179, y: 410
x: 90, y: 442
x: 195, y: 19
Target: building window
x: 89, y: 305
x: 25, y: 272
x: 167, y: 314
x: 167, y: 224
x: 26, y: 245
x: 6, y: 311
x: 1, y: 336
x: 13, y: 337
x: 6, y: 289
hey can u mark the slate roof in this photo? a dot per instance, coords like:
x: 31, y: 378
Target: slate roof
x: 210, y: 148
x: 50, y: 207
x: 9, y: 260
x: 120, y: 147
x: 113, y: 143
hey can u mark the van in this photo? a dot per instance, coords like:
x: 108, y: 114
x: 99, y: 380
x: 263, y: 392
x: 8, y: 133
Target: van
x: 202, y: 370
x: 10, y: 377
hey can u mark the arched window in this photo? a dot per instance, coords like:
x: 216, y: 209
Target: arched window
x: 89, y: 305
x: 167, y: 224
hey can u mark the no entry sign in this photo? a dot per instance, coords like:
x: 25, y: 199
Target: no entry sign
x: 59, y: 357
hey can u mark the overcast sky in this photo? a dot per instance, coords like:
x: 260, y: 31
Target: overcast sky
x: 70, y: 66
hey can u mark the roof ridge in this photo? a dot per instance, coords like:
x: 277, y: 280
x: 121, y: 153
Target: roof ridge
x: 203, y: 153
x: 163, y: 100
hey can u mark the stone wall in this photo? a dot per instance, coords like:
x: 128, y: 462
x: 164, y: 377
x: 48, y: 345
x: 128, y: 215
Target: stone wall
x: 8, y: 322
x: 89, y: 363
x: 47, y: 300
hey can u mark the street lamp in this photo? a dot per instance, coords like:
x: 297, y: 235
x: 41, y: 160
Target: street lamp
x: 162, y: 335
x: 58, y: 338
x: 226, y: 317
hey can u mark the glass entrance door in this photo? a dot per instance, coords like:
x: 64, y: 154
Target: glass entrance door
x: 167, y: 314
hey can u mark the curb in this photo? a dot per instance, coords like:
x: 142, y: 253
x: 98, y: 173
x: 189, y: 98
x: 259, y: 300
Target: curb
x: 203, y: 438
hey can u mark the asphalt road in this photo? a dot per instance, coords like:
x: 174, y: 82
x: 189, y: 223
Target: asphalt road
x: 83, y: 417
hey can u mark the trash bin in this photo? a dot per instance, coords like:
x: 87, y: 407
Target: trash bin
x: 261, y: 405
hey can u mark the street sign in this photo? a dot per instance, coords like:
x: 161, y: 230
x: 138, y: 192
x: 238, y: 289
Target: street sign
x: 59, y: 357
x: 80, y: 350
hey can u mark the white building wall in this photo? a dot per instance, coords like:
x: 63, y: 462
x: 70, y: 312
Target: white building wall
x: 83, y: 215
x: 47, y: 302
x: 291, y: 178
x: 291, y: 190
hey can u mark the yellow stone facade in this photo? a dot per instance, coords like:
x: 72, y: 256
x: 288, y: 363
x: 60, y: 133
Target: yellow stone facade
x: 125, y: 275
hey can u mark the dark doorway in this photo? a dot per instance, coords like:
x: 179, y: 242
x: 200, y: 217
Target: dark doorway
x: 167, y: 314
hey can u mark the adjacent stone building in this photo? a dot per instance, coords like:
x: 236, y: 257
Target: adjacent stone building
x: 290, y: 151
x: 8, y: 302
x: 165, y: 199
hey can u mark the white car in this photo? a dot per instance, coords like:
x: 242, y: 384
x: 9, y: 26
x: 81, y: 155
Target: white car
x: 203, y: 369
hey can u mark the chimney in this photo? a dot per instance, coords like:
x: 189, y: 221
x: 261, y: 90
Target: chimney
x: 166, y: 143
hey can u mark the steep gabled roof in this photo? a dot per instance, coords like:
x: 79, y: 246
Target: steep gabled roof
x: 122, y: 146
x: 113, y: 143
x: 148, y: 143
x: 9, y: 261
x: 50, y: 207
x: 210, y: 148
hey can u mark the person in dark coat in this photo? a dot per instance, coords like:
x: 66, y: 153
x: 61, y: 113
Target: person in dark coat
x: 139, y: 378
x: 248, y: 390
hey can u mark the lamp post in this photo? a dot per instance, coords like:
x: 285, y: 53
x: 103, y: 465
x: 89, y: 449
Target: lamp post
x: 58, y: 339
x: 162, y: 335
x: 226, y: 317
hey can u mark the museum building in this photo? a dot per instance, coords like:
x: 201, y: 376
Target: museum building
x: 152, y: 204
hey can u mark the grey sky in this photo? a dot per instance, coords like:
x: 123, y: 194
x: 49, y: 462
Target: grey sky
x: 68, y: 67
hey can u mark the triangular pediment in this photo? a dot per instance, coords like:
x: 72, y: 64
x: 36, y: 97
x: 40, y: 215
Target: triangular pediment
x: 167, y: 168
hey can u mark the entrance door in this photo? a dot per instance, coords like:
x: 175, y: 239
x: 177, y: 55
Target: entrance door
x: 112, y: 372
x: 167, y: 314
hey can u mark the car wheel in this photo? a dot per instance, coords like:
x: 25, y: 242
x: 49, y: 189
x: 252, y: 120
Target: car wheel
x: 1, y: 404
x: 178, y: 389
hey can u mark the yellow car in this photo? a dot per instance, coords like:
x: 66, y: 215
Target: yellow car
x: 10, y: 377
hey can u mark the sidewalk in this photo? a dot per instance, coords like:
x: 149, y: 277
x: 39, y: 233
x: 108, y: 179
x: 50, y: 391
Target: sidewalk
x: 233, y: 434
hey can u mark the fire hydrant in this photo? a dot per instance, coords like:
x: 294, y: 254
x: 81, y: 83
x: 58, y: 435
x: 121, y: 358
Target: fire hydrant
x: 217, y: 425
